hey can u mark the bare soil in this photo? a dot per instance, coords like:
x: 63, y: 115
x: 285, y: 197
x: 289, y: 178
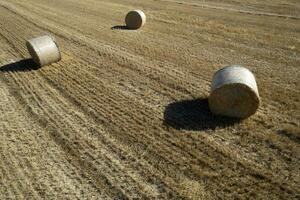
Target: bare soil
x: 124, y: 115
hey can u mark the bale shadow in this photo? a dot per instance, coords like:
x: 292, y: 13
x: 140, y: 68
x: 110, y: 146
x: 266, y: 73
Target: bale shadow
x: 22, y: 65
x: 120, y: 27
x: 194, y: 115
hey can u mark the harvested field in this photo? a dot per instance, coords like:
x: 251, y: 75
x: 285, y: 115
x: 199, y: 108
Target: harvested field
x: 124, y: 114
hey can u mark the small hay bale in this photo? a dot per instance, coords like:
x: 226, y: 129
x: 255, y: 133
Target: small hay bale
x: 234, y: 93
x: 135, y: 19
x: 43, y: 50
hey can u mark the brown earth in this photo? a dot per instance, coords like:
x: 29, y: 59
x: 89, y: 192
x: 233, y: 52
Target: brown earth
x: 124, y: 115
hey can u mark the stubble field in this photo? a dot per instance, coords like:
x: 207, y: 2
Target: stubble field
x: 124, y: 115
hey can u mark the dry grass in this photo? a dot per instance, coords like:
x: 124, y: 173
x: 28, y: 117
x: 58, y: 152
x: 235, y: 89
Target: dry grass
x: 124, y: 114
x: 193, y: 190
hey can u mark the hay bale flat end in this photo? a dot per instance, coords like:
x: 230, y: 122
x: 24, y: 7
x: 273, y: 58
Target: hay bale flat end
x: 135, y: 19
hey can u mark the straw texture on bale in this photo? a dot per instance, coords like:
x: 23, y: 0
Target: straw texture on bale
x: 234, y: 93
x: 43, y: 50
x: 135, y: 19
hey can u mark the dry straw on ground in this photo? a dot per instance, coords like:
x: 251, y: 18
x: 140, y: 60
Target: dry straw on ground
x: 43, y: 50
x: 93, y: 126
x: 135, y: 19
x: 234, y: 92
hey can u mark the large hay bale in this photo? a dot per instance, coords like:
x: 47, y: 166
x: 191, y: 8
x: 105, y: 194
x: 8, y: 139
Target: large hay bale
x: 234, y: 93
x: 135, y: 19
x: 43, y: 50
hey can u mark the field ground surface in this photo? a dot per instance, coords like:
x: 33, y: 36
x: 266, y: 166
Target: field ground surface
x: 124, y: 115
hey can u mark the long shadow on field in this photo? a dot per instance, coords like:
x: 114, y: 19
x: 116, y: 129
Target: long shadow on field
x: 22, y: 65
x: 119, y: 27
x: 194, y: 115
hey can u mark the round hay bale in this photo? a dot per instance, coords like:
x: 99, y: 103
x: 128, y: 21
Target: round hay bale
x: 135, y: 19
x: 234, y: 93
x: 43, y: 50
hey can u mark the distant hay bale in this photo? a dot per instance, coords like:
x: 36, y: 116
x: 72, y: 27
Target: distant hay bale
x: 234, y: 93
x: 135, y: 19
x: 43, y: 50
